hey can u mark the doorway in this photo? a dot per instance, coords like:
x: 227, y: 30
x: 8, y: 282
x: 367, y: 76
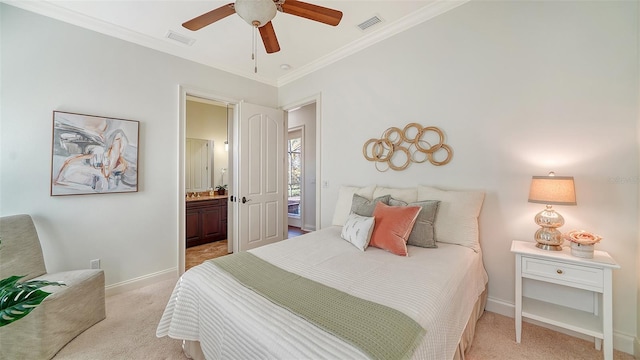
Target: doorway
x: 219, y: 169
x: 312, y: 138
x: 302, y: 169
x: 206, y: 179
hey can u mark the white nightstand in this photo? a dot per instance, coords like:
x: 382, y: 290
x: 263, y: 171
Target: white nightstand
x: 560, y: 267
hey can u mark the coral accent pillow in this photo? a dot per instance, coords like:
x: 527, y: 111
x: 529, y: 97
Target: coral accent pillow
x: 393, y: 226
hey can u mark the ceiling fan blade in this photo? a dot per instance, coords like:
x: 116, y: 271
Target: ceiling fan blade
x: 209, y: 18
x: 269, y: 38
x: 312, y: 12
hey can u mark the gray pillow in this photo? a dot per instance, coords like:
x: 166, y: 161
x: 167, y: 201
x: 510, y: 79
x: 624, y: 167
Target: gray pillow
x: 364, y: 207
x: 422, y: 234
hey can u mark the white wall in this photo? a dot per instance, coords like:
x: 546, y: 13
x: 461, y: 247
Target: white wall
x: 636, y: 344
x: 306, y: 116
x: 636, y: 350
x: 47, y: 65
x: 520, y: 88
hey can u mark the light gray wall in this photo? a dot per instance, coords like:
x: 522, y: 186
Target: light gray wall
x: 520, y: 88
x: 636, y: 347
x: 636, y: 343
x: 48, y: 65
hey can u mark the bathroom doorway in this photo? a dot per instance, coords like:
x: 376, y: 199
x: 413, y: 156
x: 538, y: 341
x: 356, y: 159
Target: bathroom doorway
x: 206, y: 179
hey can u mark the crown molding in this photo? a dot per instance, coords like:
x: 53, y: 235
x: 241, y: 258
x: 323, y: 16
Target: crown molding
x: 426, y: 13
x: 51, y: 10
x: 54, y: 11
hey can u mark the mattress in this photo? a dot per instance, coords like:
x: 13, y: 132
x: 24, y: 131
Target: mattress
x: 435, y: 287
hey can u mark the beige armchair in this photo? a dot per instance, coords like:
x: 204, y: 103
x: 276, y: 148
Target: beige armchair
x: 64, y: 314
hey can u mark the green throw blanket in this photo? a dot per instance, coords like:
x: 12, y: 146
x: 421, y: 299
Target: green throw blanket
x: 377, y: 330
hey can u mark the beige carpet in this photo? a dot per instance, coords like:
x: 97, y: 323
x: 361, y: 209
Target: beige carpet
x: 495, y: 339
x: 129, y: 332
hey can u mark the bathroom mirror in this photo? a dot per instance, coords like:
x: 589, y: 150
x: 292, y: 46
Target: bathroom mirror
x: 198, y: 164
x: 206, y: 153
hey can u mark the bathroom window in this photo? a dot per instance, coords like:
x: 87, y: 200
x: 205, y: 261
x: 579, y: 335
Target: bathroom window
x: 295, y: 172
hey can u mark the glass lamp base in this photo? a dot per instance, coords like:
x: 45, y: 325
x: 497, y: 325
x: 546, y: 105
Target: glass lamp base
x: 548, y: 237
x: 549, y: 247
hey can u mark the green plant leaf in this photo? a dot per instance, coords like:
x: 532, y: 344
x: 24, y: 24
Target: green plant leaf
x: 17, y: 300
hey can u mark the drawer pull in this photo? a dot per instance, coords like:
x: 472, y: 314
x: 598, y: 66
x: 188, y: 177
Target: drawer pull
x: 559, y: 271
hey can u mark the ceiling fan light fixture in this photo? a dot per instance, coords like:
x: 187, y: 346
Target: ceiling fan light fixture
x: 255, y: 12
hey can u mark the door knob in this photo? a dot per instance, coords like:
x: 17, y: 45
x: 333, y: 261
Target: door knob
x: 244, y: 200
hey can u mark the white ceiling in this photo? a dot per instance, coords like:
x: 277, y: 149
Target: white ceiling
x: 305, y: 45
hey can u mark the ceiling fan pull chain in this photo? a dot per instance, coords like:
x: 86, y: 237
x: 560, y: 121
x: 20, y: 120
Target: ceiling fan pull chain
x: 253, y: 43
x: 254, y: 55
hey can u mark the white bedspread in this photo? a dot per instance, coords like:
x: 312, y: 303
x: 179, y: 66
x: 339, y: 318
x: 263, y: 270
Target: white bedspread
x: 435, y: 287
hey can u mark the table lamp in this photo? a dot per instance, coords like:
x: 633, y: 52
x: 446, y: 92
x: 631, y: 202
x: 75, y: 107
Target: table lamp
x: 551, y: 190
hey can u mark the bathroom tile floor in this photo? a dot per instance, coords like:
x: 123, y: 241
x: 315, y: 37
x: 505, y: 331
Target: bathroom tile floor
x: 195, y: 255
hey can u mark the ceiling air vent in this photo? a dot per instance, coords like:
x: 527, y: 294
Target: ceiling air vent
x: 180, y: 38
x: 369, y: 22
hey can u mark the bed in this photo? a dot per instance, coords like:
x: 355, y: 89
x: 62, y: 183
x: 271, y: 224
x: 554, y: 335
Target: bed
x: 442, y: 289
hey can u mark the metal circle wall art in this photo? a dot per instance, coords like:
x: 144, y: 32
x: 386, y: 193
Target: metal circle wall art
x: 397, y: 148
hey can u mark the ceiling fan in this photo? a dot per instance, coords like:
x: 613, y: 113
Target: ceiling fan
x: 259, y: 13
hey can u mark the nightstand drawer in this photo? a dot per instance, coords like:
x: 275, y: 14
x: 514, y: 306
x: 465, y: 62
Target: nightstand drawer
x: 562, y: 273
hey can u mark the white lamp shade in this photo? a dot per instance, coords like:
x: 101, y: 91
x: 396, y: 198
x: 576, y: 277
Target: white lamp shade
x: 256, y: 12
x: 552, y: 190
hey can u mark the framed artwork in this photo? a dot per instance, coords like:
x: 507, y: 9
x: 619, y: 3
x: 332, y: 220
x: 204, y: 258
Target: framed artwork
x: 93, y: 155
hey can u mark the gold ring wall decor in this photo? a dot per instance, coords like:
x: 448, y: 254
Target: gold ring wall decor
x: 397, y: 148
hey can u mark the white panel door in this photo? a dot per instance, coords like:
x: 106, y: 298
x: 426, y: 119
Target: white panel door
x: 261, y: 176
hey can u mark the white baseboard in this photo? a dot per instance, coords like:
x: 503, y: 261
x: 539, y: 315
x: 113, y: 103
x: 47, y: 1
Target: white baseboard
x: 308, y: 228
x: 500, y: 307
x: 294, y: 221
x: 621, y: 342
x: 141, y: 281
x: 636, y: 348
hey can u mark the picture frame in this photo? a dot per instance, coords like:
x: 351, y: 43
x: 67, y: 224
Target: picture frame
x: 93, y: 154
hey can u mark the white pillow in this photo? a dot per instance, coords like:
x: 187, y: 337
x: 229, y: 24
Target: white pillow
x: 357, y: 230
x: 457, y: 217
x: 407, y: 195
x: 345, y: 196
